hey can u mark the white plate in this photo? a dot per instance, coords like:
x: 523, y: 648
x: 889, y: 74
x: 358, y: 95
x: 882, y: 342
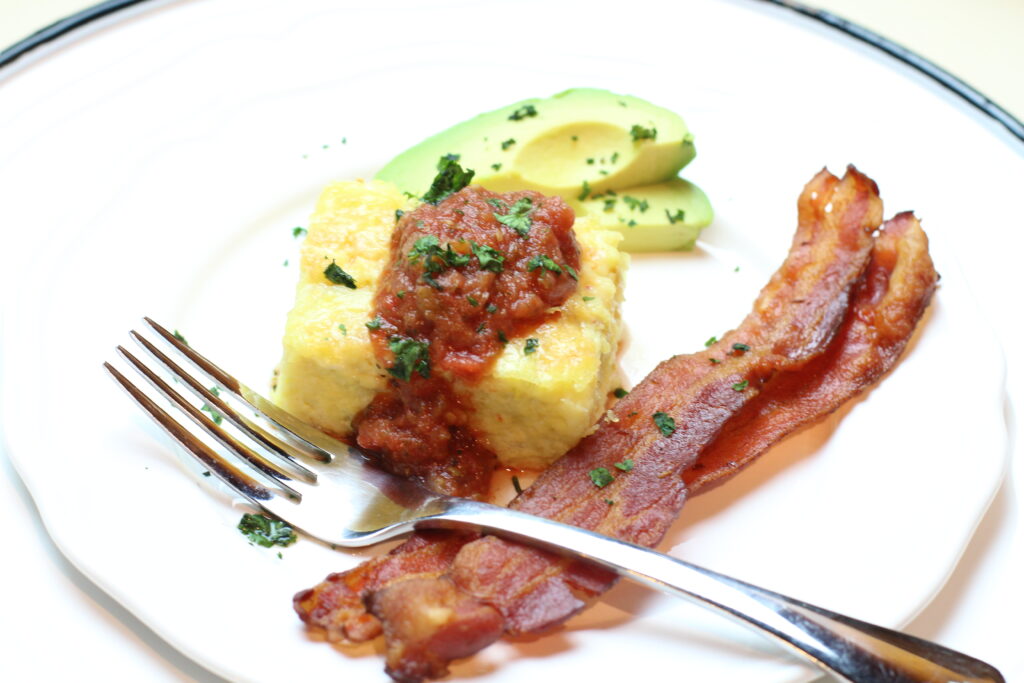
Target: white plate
x: 158, y: 167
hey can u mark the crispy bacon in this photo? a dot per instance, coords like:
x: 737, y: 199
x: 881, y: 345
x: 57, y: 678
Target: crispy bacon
x: 488, y: 586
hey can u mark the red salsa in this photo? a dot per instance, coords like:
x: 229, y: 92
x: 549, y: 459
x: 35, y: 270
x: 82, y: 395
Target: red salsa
x: 465, y: 277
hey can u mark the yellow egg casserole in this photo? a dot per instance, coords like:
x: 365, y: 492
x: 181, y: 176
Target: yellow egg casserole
x: 529, y: 409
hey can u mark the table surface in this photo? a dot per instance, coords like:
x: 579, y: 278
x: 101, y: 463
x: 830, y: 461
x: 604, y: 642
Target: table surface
x: 57, y: 625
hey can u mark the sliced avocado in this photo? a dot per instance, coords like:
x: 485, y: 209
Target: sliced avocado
x: 661, y: 217
x: 578, y: 140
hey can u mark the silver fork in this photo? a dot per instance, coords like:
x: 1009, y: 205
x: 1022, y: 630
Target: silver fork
x: 330, y: 491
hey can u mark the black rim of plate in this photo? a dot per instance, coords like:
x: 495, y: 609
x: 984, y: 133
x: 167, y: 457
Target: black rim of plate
x: 933, y: 71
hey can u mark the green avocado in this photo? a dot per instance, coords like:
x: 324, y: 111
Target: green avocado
x: 663, y: 217
x: 587, y: 146
x: 555, y: 145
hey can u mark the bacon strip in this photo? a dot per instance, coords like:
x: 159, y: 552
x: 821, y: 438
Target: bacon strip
x: 493, y: 585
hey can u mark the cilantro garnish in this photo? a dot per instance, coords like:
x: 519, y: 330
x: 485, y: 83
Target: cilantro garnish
x: 531, y: 346
x: 740, y: 347
x: 588, y: 298
x: 543, y: 261
x: 496, y: 167
x: 620, y: 392
x: 491, y: 308
x: 740, y: 386
x: 505, y: 144
x: 214, y: 415
x: 523, y: 112
x: 267, y: 532
x: 410, y: 356
x: 502, y: 338
x: 639, y: 133
x: 609, y: 203
x: 518, y: 216
x: 180, y: 337
x: 375, y: 323
x: 434, y: 258
x: 710, y: 341
x: 666, y: 425
x: 335, y: 274
x: 298, y: 231
x: 586, y: 191
x: 635, y: 204
x: 572, y: 272
x: 398, y: 214
x: 490, y: 258
x: 344, y: 330
x: 450, y: 178
x: 472, y: 301
x: 676, y: 217
x: 601, y: 477
x: 626, y: 465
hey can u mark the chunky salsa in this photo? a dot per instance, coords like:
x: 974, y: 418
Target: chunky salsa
x: 464, y: 278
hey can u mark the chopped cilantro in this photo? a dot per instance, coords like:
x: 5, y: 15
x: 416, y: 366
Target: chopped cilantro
x: 472, y: 301
x: 400, y: 294
x: 635, y: 204
x: 480, y: 327
x: 676, y: 217
x: 715, y: 361
x: 543, y: 261
x: 575, y: 138
x: 626, y: 465
x: 429, y: 279
x: 490, y: 258
x: 214, y: 415
x: 590, y: 160
x: 505, y: 144
x: 180, y: 337
x: 375, y: 323
x: 639, y: 133
x: 496, y: 167
x: 615, y: 157
x: 710, y: 341
x: 434, y: 258
x: 450, y: 178
x: 523, y: 112
x: 620, y: 392
x: 601, y: 477
x: 632, y: 223
x: 298, y: 231
x: 335, y: 274
x: 518, y: 217
x: 740, y: 347
x: 588, y: 298
x: 586, y: 191
x: 398, y: 214
x: 267, y: 532
x: 491, y: 308
x: 516, y: 485
x: 666, y: 425
x: 502, y: 338
x: 740, y: 386
x: 531, y: 346
x: 344, y: 330
x: 609, y: 501
x: 609, y: 203
x: 572, y: 272
x: 410, y: 356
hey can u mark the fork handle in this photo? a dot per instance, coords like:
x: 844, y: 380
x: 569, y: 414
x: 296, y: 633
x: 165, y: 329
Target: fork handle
x: 850, y: 649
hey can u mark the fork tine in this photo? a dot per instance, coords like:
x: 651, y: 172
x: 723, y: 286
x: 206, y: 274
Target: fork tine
x: 210, y: 427
x: 314, y: 443
x: 282, y: 452
x: 225, y: 471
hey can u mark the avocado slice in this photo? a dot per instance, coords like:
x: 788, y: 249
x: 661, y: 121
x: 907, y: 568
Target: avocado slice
x: 579, y: 139
x: 660, y: 217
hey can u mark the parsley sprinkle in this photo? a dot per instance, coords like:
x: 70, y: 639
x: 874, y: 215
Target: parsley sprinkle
x: 523, y: 112
x: 298, y: 231
x: 665, y: 423
x: 626, y: 465
x: 601, y: 477
x: 676, y: 217
x: 472, y: 301
x: 641, y: 133
x: 635, y: 204
x: 740, y: 386
x: 620, y: 392
x: 450, y: 179
x: 590, y: 160
x: 518, y: 217
x: 710, y: 341
x: 344, y: 330
x: 572, y: 272
x: 531, y: 346
x: 715, y: 361
x: 615, y: 157
x: 335, y: 274
x: 491, y: 308
x: 586, y: 191
x: 609, y: 203
x: 516, y: 485
x: 609, y: 501
x: 490, y: 258
x: 400, y: 294
x: 410, y: 356
x: 502, y: 338
x: 375, y: 323
x: 632, y: 223
x: 180, y: 337
x: 740, y: 347
x: 267, y: 532
x: 505, y: 144
x: 588, y: 298
x: 496, y: 167
x: 543, y: 261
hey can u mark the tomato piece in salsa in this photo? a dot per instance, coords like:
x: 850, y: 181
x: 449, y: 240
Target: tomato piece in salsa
x: 463, y: 278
